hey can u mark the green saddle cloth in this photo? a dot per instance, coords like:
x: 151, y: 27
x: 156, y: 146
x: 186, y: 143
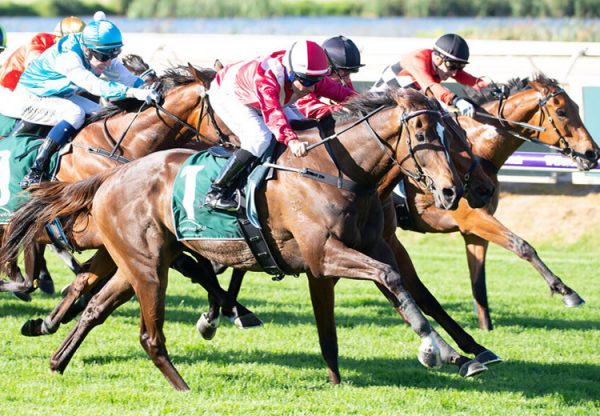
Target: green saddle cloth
x: 192, y: 220
x: 17, y: 154
x: 6, y: 125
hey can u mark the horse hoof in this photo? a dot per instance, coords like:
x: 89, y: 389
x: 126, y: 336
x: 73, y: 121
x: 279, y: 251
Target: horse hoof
x: 246, y: 321
x: 488, y: 358
x: 471, y: 368
x: 32, y: 328
x: 429, y: 353
x: 46, y: 284
x: 573, y: 300
x: 25, y: 297
x: 207, y: 328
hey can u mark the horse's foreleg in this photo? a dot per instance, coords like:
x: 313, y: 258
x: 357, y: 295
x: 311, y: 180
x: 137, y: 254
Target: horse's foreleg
x: 429, y: 304
x: 476, y: 252
x: 323, y: 302
x: 339, y: 260
x: 116, y: 292
x: 489, y: 228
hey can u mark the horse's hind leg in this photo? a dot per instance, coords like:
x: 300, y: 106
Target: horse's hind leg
x: 323, y: 302
x: 116, y: 292
x: 45, y: 282
x: 101, y: 267
x: 239, y: 316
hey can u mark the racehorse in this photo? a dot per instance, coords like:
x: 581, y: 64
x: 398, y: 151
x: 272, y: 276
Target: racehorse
x: 339, y: 234
x: 539, y: 102
x: 117, y: 134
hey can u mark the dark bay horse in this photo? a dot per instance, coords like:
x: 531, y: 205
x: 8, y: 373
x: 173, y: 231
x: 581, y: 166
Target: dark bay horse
x: 337, y: 234
x: 541, y: 102
x: 125, y: 132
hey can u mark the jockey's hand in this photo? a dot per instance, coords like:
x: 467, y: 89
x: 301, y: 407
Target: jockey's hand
x: 464, y: 107
x: 297, y: 147
x: 144, y: 94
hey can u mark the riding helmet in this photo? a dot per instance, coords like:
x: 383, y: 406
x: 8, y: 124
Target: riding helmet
x: 102, y: 35
x: 453, y: 48
x: 307, y: 59
x: 342, y: 52
x: 68, y: 25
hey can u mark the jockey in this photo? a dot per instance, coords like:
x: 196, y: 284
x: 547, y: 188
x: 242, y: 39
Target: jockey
x: 16, y: 63
x: 344, y: 60
x: 425, y: 69
x: 253, y: 98
x: 47, y: 91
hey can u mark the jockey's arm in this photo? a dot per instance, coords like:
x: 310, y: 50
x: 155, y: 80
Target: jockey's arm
x: 118, y: 72
x: 464, y: 78
x: 268, y: 99
x: 70, y: 65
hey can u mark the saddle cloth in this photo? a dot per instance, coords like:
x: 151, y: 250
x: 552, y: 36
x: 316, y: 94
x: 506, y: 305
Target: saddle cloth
x: 17, y: 154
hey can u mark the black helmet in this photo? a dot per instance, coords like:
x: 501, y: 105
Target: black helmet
x: 453, y: 48
x: 342, y: 53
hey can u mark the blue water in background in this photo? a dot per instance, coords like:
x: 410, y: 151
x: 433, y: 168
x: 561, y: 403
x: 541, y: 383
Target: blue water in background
x: 323, y: 25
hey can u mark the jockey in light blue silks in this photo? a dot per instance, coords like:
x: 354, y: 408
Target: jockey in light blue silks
x: 47, y: 91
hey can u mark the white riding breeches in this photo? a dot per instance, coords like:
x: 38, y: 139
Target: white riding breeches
x: 50, y: 110
x: 244, y: 121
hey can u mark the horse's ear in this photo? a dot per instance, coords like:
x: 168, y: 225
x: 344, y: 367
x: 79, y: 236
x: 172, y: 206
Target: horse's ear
x: 218, y: 65
x: 194, y: 72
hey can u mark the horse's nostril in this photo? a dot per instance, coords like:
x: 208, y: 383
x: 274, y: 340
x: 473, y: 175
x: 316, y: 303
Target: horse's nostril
x: 591, y: 155
x: 448, y: 192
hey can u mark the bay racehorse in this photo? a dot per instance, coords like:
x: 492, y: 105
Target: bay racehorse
x: 126, y: 131
x: 337, y: 234
x: 540, y: 102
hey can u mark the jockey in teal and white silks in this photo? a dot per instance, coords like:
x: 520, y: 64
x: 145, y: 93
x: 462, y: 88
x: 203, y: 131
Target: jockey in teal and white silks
x: 47, y: 92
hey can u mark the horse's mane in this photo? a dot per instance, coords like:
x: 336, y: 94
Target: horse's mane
x: 171, y: 78
x: 360, y: 105
x: 514, y: 85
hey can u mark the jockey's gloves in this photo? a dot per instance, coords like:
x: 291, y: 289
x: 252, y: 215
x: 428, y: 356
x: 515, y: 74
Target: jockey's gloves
x: 464, y: 107
x: 143, y: 94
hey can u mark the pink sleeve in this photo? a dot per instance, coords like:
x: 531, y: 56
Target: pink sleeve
x: 311, y: 107
x: 333, y: 90
x: 465, y: 78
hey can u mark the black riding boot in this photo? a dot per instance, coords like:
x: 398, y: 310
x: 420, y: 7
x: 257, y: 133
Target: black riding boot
x: 215, y: 197
x: 40, y: 165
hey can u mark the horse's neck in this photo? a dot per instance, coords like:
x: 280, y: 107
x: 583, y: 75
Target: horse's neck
x: 496, y: 145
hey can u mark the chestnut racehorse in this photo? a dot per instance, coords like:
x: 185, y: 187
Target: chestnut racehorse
x: 542, y: 103
x: 117, y: 134
x: 337, y: 234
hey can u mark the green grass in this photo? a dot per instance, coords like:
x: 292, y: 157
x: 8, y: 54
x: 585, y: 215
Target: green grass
x: 552, y: 353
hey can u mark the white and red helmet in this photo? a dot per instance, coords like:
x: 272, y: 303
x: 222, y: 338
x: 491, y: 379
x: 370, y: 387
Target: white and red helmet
x: 307, y: 60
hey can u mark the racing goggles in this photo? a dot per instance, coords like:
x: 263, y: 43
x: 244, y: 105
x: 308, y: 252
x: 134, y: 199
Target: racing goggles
x: 304, y: 80
x: 454, y: 65
x: 105, y: 54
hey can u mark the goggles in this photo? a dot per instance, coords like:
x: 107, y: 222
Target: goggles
x: 454, y: 66
x: 305, y: 81
x: 105, y: 54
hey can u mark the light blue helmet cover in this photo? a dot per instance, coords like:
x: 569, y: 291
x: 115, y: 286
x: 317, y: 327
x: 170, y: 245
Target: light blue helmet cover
x: 102, y: 34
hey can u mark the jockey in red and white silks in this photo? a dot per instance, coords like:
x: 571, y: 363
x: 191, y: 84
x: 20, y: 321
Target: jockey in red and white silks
x: 253, y: 98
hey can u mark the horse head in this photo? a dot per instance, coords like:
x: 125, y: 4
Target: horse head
x: 551, y: 115
x: 409, y: 133
x: 559, y: 115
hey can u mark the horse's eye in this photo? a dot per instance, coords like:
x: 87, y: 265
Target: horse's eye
x: 561, y: 112
x: 420, y: 137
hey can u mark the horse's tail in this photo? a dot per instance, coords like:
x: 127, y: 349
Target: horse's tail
x: 49, y: 200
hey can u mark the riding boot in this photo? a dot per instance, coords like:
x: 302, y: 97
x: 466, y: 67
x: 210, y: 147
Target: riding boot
x: 58, y: 135
x: 216, y: 197
x: 40, y: 165
x: 23, y: 127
